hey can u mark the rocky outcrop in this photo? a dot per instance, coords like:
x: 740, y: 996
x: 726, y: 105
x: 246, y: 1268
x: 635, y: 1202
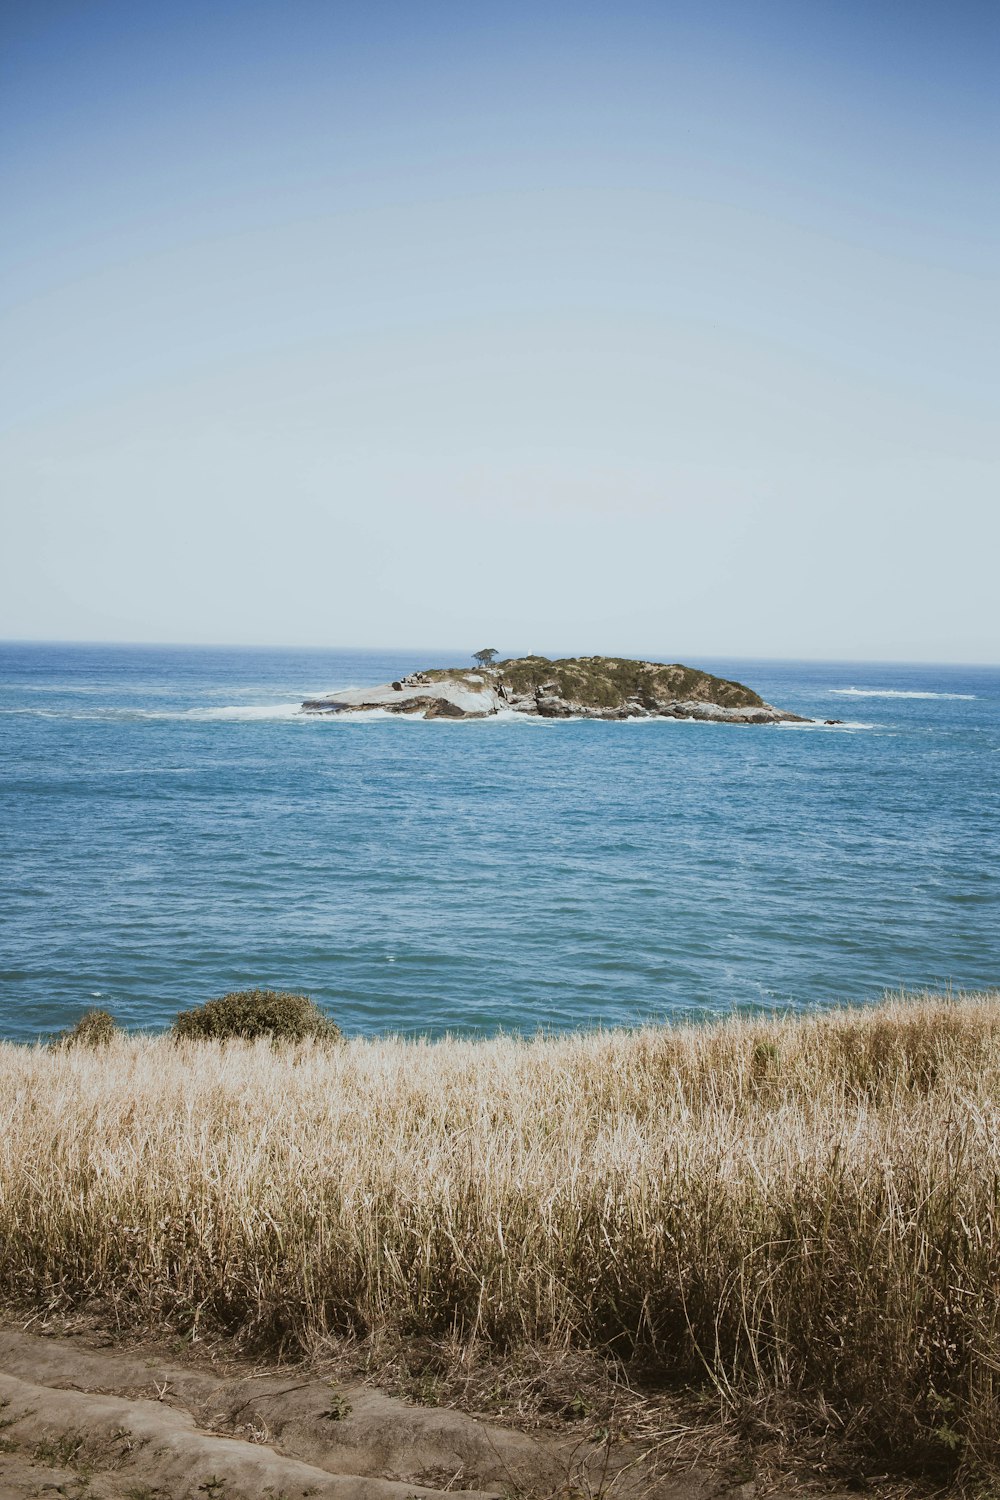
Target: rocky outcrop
x: 443, y: 699
x: 588, y: 687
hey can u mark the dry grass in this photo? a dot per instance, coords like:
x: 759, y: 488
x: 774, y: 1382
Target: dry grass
x: 804, y: 1213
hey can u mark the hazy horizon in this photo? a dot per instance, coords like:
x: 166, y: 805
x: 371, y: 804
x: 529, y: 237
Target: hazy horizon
x: 553, y: 652
x: 328, y: 322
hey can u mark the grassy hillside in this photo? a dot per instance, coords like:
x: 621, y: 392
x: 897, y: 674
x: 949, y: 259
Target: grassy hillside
x: 609, y: 681
x: 804, y: 1213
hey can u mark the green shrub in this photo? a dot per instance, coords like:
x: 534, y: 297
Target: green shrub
x: 95, y: 1029
x: 248, y: 1014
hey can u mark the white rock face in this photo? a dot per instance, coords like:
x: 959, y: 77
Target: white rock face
x: 469, y: 695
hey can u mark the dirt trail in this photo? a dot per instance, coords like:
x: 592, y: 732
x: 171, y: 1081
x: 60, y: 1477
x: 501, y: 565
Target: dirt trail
x: 99, y: 1424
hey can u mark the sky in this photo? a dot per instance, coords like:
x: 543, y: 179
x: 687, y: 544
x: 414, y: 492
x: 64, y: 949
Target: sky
x: 663, y: 329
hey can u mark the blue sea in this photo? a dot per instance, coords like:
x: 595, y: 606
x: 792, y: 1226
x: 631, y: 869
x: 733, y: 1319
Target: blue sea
x: 171, y: 828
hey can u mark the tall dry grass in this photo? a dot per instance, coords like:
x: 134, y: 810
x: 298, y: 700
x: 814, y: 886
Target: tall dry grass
x: 806, y: 1211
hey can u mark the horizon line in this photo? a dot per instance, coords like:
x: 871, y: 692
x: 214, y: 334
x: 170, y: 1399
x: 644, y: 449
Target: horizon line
x: 164, y: 645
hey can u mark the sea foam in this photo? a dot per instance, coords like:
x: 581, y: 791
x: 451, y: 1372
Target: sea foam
x: 246, y: 711
x: 855, y: 692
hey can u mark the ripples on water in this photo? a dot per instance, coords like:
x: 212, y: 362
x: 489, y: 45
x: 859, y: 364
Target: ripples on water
x: 171, y: 829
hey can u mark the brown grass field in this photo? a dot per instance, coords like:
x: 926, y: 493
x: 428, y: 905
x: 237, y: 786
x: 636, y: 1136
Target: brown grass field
x: 801, y: 1215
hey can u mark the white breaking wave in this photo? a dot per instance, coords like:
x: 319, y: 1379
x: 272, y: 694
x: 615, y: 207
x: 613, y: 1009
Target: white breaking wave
x: 187, y: 715
x: 829, y: 728
x: 853, y: 692
x: 246, y: 711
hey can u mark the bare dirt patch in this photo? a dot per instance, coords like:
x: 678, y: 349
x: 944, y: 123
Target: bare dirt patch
x: 93, y: 1423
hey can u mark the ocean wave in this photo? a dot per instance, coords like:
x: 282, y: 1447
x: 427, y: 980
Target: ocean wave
x: 855, y: 692
x: 841, y: 724
x: 245, y: 711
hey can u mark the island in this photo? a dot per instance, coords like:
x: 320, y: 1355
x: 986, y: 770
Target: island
x: 577, y: 687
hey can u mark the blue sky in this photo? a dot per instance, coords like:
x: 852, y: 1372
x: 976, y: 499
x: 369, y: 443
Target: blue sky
x: 659, y: 328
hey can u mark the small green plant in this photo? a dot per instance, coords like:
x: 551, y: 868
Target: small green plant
x: 338, y: 1409
x: 425, y: 1388
x: 249, y: 1014
x: 95, y: 1029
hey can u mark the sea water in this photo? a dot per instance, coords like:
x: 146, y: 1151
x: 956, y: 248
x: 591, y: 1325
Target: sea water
x: 172, y: 828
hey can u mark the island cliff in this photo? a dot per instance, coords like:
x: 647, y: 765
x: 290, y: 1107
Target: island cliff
x: 579, y: 687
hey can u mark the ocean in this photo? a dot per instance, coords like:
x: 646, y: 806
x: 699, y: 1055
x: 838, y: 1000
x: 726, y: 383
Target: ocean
x: 171, y: 828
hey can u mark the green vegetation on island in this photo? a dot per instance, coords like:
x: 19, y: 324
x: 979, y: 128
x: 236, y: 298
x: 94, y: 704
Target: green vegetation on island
x: 613, y: 682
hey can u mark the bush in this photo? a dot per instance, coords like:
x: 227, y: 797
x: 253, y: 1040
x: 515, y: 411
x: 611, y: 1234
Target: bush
x: 96, y: 1029
x: 248, y: 1014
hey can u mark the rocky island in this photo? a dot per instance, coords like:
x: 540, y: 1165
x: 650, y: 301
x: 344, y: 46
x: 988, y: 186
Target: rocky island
x: 578, y: 687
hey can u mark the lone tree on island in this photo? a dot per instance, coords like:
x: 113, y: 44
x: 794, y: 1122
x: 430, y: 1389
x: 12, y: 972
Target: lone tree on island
x: 485, y: 658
